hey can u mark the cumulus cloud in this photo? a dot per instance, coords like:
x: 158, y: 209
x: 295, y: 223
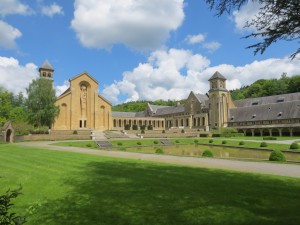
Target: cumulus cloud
x: 193, y: 39
x: 52, y: 10
x: 8, y: 35
x: 59, y: 89
x: 211, y: 46
x: 200, y: 38
x: 172, y: 74
x: 141, y: 24
x: 246, y: 13
x: 8, y: 7
x: 15, y: 77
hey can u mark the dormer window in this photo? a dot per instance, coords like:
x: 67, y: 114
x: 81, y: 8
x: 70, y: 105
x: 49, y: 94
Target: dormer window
x: 280, y: 114
x: 280, y: 99
x: 253, y: 116
x: 254, y: 103
x: 232, y: 118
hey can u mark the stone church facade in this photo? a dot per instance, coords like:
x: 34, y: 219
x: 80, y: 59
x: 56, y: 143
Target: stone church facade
x: 81, y: 107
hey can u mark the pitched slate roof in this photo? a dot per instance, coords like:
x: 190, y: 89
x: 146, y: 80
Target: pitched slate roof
x: 154, y: 108
x: 267, y: 100
x: 46, y: 65
x: 124, y: 114
x: 170, y: 110
x: 217, y: 75
x: 282, y: 110
x: 202, y: 98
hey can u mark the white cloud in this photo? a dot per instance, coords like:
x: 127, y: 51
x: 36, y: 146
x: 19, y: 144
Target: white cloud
x: 246, y: 13
x: 15, y: 77
x: 139, y: 24
x: 59, y: 89
x: 8, y: 7
x: 194, y: 39
x: 211, y: 46
x: 8, y: 35
x: 174, y: 73
x: 53, y: 9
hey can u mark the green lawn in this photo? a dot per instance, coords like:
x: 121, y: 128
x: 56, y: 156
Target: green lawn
x: 72, y: 188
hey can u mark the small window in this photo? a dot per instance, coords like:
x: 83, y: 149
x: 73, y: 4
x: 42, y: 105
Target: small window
x: 280, y: 99
x: 280, y: 114
x: 254, y: 103
x: 232, y: 118
x: 253, y: 116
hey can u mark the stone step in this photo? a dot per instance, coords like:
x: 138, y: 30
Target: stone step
x: 104, y: 144
x: 165, y: 142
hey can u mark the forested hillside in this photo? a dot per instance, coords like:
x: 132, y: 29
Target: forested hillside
x: 139, y: 106
x: 259, y: 88
x: 270, y: 87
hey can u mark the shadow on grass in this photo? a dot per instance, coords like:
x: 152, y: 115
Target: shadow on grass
x: 140, y: 193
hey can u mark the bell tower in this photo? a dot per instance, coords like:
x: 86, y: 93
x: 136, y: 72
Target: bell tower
x: 46, y: 71
x: 219, y: 101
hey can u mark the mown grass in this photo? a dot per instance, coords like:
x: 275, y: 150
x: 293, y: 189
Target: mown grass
x: 72, y: 188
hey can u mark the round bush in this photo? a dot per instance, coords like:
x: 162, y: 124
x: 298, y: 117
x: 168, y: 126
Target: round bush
x: 139, y: 143
x: 142, y: 131
x: 182, y: 131
x: 224, y: 142
x: 242, y: 143
x: 163, y: 131
x: 207, y: 153
x: 155, y: 142
x: 88, y: 145
x: 159, y: 151
x: 120, y: 143
x: 263, y: 144
x: 294, y: 145
x: 277, y: 155
x: 177, y: 141
x: 211, y: 141
x: 196, y: 141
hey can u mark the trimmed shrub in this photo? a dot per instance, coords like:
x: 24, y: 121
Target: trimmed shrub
x: 263, y: 144
x: 203, y: 135
x: 216, y: 135
x: 277, y: 155
x: 182, y: 131
x: 127, y: 127
x: 177, y: 141
x: 211, y: 141
x: 207, y: 153
x: 75, y: 132
x: 155, y: 142
x: 242, y: 143
x: 120, y: 143
x: 150, y: 127
x: 224, y: 142
x: 159, y: 151
x: 134, y: 127
x: 89, y: 145
x: 196, y: 141
x: 269, y: 138
x: 228, y: 130
x: 142, y: 131
x: 143, y: 127
x: 163, y: 131
x: 139, y: 143
x: 294, y: 145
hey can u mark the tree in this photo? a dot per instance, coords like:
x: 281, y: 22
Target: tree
x: 276, y: 20
x: 41, y: 103
x: 6, y: 216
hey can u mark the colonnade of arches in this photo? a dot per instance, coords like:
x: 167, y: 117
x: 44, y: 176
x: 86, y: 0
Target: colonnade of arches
x: 286, y: 131
x: 120, y: 123
x: 195, y: 122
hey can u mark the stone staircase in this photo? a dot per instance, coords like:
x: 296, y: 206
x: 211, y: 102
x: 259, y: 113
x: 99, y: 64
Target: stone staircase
x: 165, y: 142
x: 98, y: 135
x: 103, y: 144
x: 114, y: 134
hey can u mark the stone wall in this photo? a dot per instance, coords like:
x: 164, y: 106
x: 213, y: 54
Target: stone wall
x: 52, y: 137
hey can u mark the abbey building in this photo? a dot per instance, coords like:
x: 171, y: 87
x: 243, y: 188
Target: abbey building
x: 81, y: 107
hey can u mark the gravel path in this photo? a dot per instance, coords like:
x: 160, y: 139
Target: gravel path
x: 290, y: 170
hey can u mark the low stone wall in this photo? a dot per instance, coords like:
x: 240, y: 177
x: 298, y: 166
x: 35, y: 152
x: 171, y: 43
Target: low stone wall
x: 51, y: 137
x: 70, y: 132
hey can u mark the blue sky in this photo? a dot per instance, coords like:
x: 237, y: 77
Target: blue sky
x: 136, y: 49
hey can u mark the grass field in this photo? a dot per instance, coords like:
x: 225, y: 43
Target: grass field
x: 72, y: 188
